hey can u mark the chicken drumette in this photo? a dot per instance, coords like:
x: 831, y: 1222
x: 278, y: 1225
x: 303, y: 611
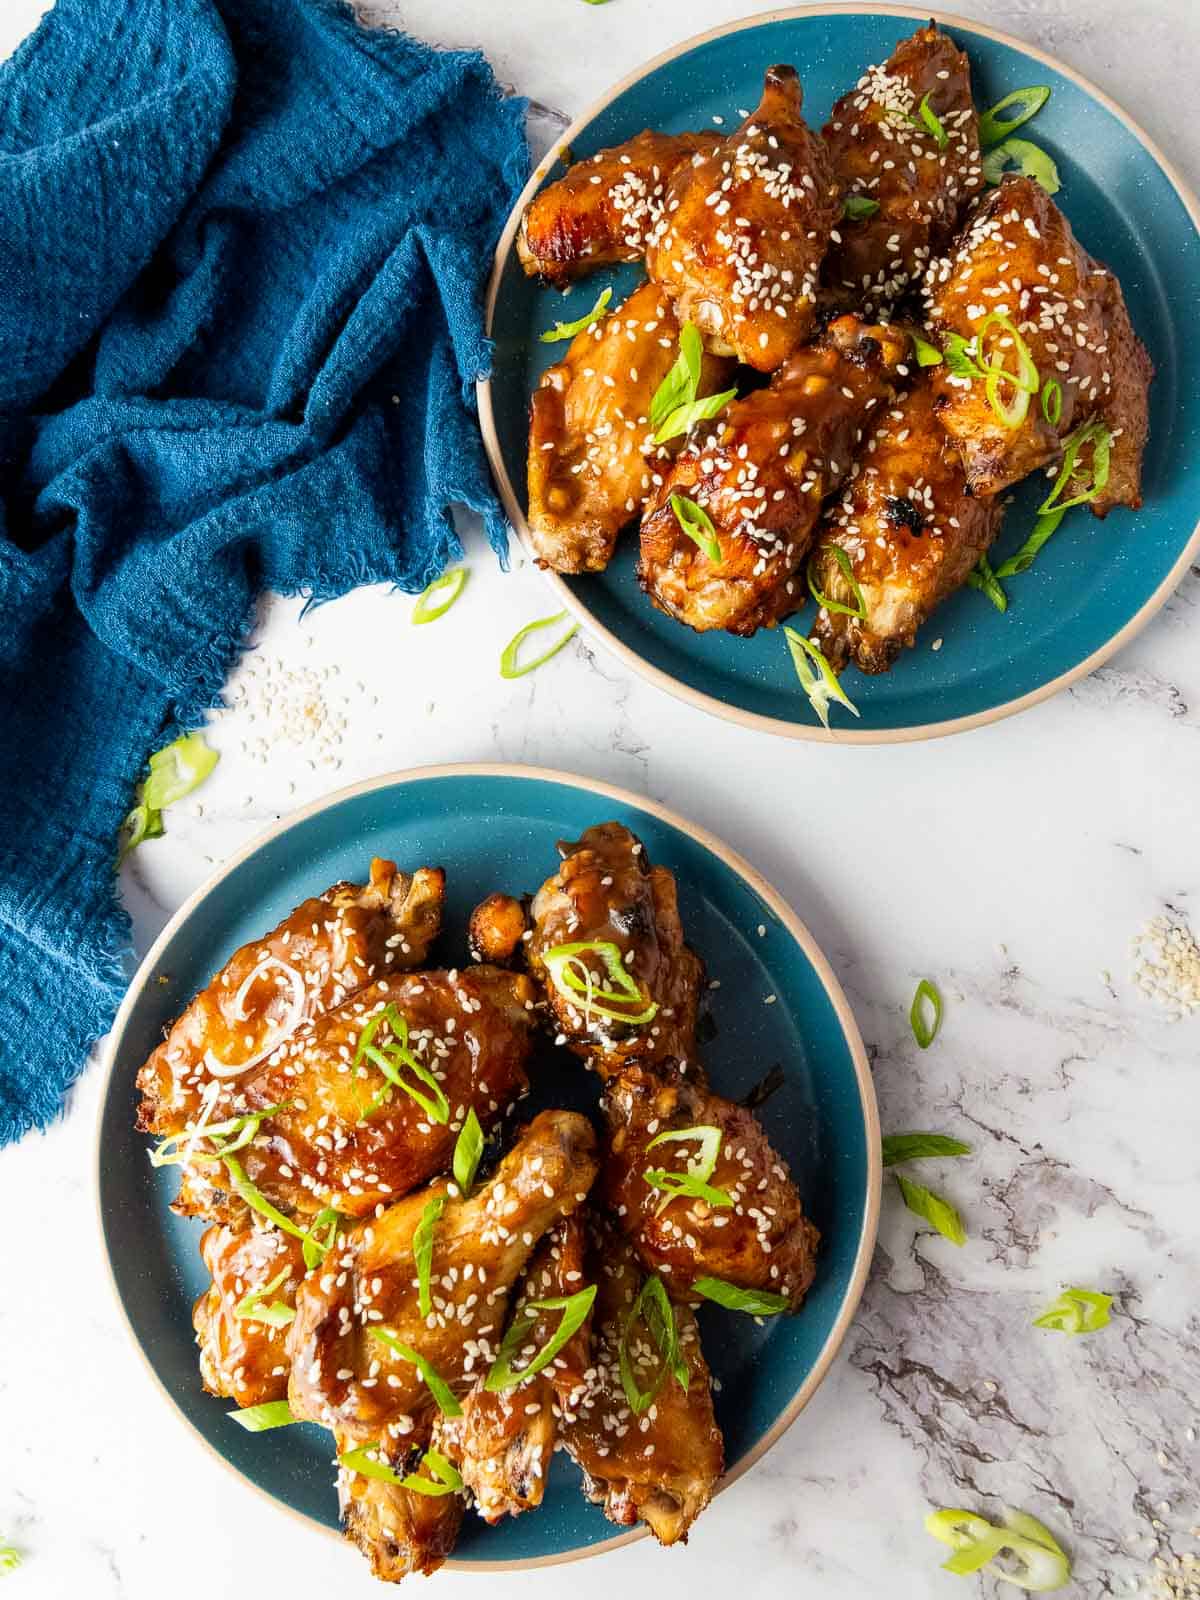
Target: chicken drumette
x: 242, y: 1319
x: 739, y: 244
x: 661, y: 1465
x: 605, y: 207
x: 888, y: 158
x: 760, y: 474
x: 910, y: 530
x: 1028, y: 298
x: 608, y: 946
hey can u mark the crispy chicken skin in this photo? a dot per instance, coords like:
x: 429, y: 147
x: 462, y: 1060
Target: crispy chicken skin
x: 503, y: 1443
x: 605, y: 207
x: 328, y: 947
x: 740, y: 243
x: 346, y: 1379
x: 244, y: 1358
x: 400, y: 1531
x: 496, y: 929
x: 761, y: 472
x: 879, y: 153
x: 590, y: 434
x: 663, y: 1467
x: 1018, y: 257
x: 762, y: 1241
x: 607, y: 891
x: 911, y: 530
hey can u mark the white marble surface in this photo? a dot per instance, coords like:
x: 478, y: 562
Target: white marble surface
x: 1013, y: 864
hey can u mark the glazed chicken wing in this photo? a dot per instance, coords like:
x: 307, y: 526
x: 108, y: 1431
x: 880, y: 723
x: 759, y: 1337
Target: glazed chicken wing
x: 328, y: 947
x: 760, y: 473
x: 756, y: 1238
x: 885, y: 155
x: 590, y: 434
x: 911, y: 531
x: 604, y: 208
x: 241, y: 1320
x: 399, y: 1530
x: 1019, y: 261
x: 662, y: 1466
x: 608, y: 947
x: 739, y: 245
x: 503, y: 1442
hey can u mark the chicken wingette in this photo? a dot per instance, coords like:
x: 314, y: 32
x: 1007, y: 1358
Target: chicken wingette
x: 906, y: 178
x: 760, y: 474
x: 740, y: 242
x: 241, y: 1320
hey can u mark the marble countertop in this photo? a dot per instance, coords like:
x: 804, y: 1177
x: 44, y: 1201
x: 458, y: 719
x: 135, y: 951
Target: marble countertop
x: 1032, y: 851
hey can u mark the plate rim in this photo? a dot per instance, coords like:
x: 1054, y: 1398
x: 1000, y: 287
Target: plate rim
x: 666, y: 681
x: 749, y: 875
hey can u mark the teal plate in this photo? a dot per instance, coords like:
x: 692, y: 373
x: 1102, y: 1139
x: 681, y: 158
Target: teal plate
x: 1094, y: 587
x: 495, y: 828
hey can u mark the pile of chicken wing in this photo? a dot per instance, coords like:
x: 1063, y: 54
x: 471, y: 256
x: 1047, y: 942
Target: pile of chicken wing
x: 455, y: 1290
x: 805, y: 296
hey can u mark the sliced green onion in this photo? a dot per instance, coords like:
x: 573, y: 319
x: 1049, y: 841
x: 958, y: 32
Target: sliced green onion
x: 575, y: 1309
x: 422, y: 1249
x: 817, y: 677
x: 697, y: 524
x: 369, y: 1462
x: 1077, y: 1311
x: 1043, y: 528
x: 755, y: 1302
x: 451, y: 584
x: 920, y: 1147
x: 1025, y: 380
x: 568, y: 330
x: 859, y: 608
x: 959, y: 356
x: 977, y: 1542
x: 468, y: 1148
x: 933, y: 1209
x: 1052, y: 401
x: 686, y: 416
x: 257, y: 1201
x: 10, y: 1559
x: 653, y: 1309
x: 982, y: 577
x: 177, y: 1147
x: 141, y: 824
x: 321, y: 1237
x: 176, y: 770
x: 395, y: 1058
x: 261, y: 1419
x: 693, y: 1181
x: 1098, y: 436
x: 508, y: 656
x: 928, y: 355
x: 679, y: 386
x: 441, y: 1391
x: 993, y: 127
x: 1021, y: 155
x: 925, y: 1032
x: 277, y: 1315
x: 857, y: 207
x: 572, y: 977
x: 925, y: 117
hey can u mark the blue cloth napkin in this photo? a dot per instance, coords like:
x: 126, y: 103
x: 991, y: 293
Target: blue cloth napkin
x: 243, y: 246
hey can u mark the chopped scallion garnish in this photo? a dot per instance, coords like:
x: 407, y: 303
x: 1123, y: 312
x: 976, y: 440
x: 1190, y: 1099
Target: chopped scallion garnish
x: 369, y: 1461
x: 568, y: 970
x: 10, y: 1559
x: 422, y: 1249
x: 394, y: 1059
x: 468, y: 1148
x: 437, y: 597
x: 508, y: 656
x: 1077, y: 1311
x: 1052, y: 401
x: 321, y: 1238
x: 568, y: 330
x: 925, y: 1032
x: 982, y: 577
x: 1099, y: 437
x: 679, y: 386
x: 993, y: 127
x: 933, y: 1208
x: 754, y: 1302
x: 697, y: 524
x: 692, y: 1182
x: 920, y: 1147
x: 575, y: 1309
x: 976, y: 1542
x: 443, y: 1395
x: 257, y: 1201
x: 859, y: 608
x: 276, y: 1315
x: 1025, y: 157
x: 817, y: 678
x: 225, y: 1137
x: 685, y: 417
x: 925, y: 117
x: 1043, y: 528
x: 857, y: 207
x: 653, y: 1310
x: 175, y: 771
x: 261, y: 1419
x: 928, y: 355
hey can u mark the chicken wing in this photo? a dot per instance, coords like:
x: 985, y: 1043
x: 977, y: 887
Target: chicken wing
x: 399, y: 1530
x: 887, y: 156
x: 758, y: 1239
x: 328, y: 947
x: 661, y: 1466
x: 608, y: 924
x: 740, y: 242
x: 503, y: 1442
x: 241, y: 1320
x: 605, y: 207
x: 1018, y: 263
x: 760, y: 474
x: 590, y: 434
x: 911, y: 531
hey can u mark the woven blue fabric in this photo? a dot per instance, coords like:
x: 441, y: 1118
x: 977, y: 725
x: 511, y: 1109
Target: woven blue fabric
x: 242, y: 253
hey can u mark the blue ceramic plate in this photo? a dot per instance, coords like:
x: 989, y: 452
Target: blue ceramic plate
x: 495, y: 828
x: 1095, y: 586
